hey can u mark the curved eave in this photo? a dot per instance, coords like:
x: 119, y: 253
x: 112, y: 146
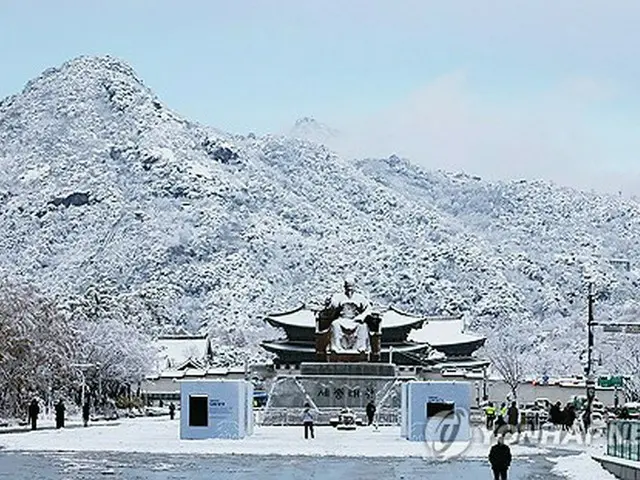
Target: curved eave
x: 300, y: 318
x: 305, y: 320
x: 411, y: 321
x: 275, y: 322
x: 470, y: 341
x: 460, y: 348
x: 279, y: 347
x: 289, y: 312
x: 403, y: 326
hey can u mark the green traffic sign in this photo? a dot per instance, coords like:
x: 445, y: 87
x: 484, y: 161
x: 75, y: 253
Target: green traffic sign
x: 610, y: 381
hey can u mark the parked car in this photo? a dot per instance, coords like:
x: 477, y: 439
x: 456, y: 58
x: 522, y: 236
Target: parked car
x: 475, y: 374
x: 543, y: 403
x: 633, y: 409
x: 532, y: 416
x: 576, y: 381
x: 597, y: 406
x: 156, y: 411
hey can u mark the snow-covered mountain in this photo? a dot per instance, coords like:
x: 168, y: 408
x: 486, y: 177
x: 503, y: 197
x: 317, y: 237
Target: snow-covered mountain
x: 103, y: 187
x: 308, y: 128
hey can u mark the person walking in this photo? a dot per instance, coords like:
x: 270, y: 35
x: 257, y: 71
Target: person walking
x: 371, y: 411
x: 555, y: 414
x: 502, y: 412
x: 500, y: 425
x: 500, y: 459
x: 513, y: 418
x: 60, y: 414
x: 34, y: 411
x: 86, y: 410
x: 569, y: 417
x: 307, y: 421
x: 172, y: 411
x: 490, y: 414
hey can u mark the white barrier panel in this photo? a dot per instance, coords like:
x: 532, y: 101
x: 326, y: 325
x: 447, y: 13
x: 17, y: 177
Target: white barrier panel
x: 216, y: 409
x: 436, y: 411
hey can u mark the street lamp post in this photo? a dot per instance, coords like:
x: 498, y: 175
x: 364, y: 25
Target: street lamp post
x: 590, y: 383
x: 81, y: 367
x: 485, y: 393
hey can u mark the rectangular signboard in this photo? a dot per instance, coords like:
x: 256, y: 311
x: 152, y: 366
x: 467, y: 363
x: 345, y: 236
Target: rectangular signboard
x: 633, y: 329
x: 612, y: 328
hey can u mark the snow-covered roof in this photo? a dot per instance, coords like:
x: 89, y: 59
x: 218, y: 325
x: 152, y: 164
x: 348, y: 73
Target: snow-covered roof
x: 300, y: 317
x: 177, y: 350
x: 441, y: 331
x: 466, y: 364
x: 395, y: 318
x: 171, y: 374
x: 197, y: 372
x: 304, y: 317
x: 283, y: 346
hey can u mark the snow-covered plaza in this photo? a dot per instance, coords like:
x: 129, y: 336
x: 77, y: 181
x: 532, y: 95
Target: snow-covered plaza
x: 151, y: 448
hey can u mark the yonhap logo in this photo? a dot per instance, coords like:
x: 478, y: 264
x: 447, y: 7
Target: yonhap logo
x: 447, y: 434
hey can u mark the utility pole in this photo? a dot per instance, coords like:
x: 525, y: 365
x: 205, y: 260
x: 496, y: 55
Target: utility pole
x: 485, y: 394
x: 590, y: 383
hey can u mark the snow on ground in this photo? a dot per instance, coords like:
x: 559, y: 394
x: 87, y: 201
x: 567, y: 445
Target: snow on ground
x: 160, y: 435
x: 580, y: 467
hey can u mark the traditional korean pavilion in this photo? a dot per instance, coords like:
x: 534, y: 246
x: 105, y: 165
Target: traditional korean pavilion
x: 408, y: 339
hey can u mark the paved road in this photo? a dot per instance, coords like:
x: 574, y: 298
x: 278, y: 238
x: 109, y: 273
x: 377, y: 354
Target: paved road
x: 527, y: 393
x: 50, y: 426
x: 132, y: 466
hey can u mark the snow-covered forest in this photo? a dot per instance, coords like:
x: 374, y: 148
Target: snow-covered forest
x: 128, y: 220
x: 47, y: 344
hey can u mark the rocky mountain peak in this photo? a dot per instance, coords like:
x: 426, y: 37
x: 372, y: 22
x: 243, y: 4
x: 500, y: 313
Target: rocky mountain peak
x: 103, y: 185
x: 308, y: 128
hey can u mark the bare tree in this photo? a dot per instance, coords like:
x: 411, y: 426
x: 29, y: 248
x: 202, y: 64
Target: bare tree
x: 36, y: 347
x: 111, y: 337
x: 121, y: 354
x: 625, y: 360
x: 508, y: 357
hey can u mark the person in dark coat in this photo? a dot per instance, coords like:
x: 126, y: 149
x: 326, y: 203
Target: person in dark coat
x: 624, y: 413
x: 500, y: 459
x: 60, y: 414
x: 513, y: 417
x: 500, y: 426
x: 34, y: 411
x: 555, y: 414
x: 371, y: 411
x: 502, y: 412
x: 172, y: 411
x: 569, y: 416
x: 86, y: 410
x: 307, y: 421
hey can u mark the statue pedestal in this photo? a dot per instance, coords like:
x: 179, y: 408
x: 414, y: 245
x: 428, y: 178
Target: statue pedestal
x: 332, y: 387
x: 348, y: 369
x: 334, y: 357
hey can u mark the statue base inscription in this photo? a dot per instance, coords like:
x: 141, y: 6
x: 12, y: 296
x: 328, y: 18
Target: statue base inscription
x: 351, y: 369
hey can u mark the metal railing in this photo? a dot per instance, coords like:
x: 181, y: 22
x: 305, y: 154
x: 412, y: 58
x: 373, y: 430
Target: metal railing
x: 623, y: 439
x: 293, y: 416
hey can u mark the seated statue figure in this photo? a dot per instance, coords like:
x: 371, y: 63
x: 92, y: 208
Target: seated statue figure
x: 349, y: 329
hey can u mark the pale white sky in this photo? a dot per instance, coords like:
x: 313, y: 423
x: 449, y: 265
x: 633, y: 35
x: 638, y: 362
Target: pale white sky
x: 500, y: 88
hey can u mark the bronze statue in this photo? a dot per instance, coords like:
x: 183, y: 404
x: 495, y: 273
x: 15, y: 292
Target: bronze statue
x: 348, y: 312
